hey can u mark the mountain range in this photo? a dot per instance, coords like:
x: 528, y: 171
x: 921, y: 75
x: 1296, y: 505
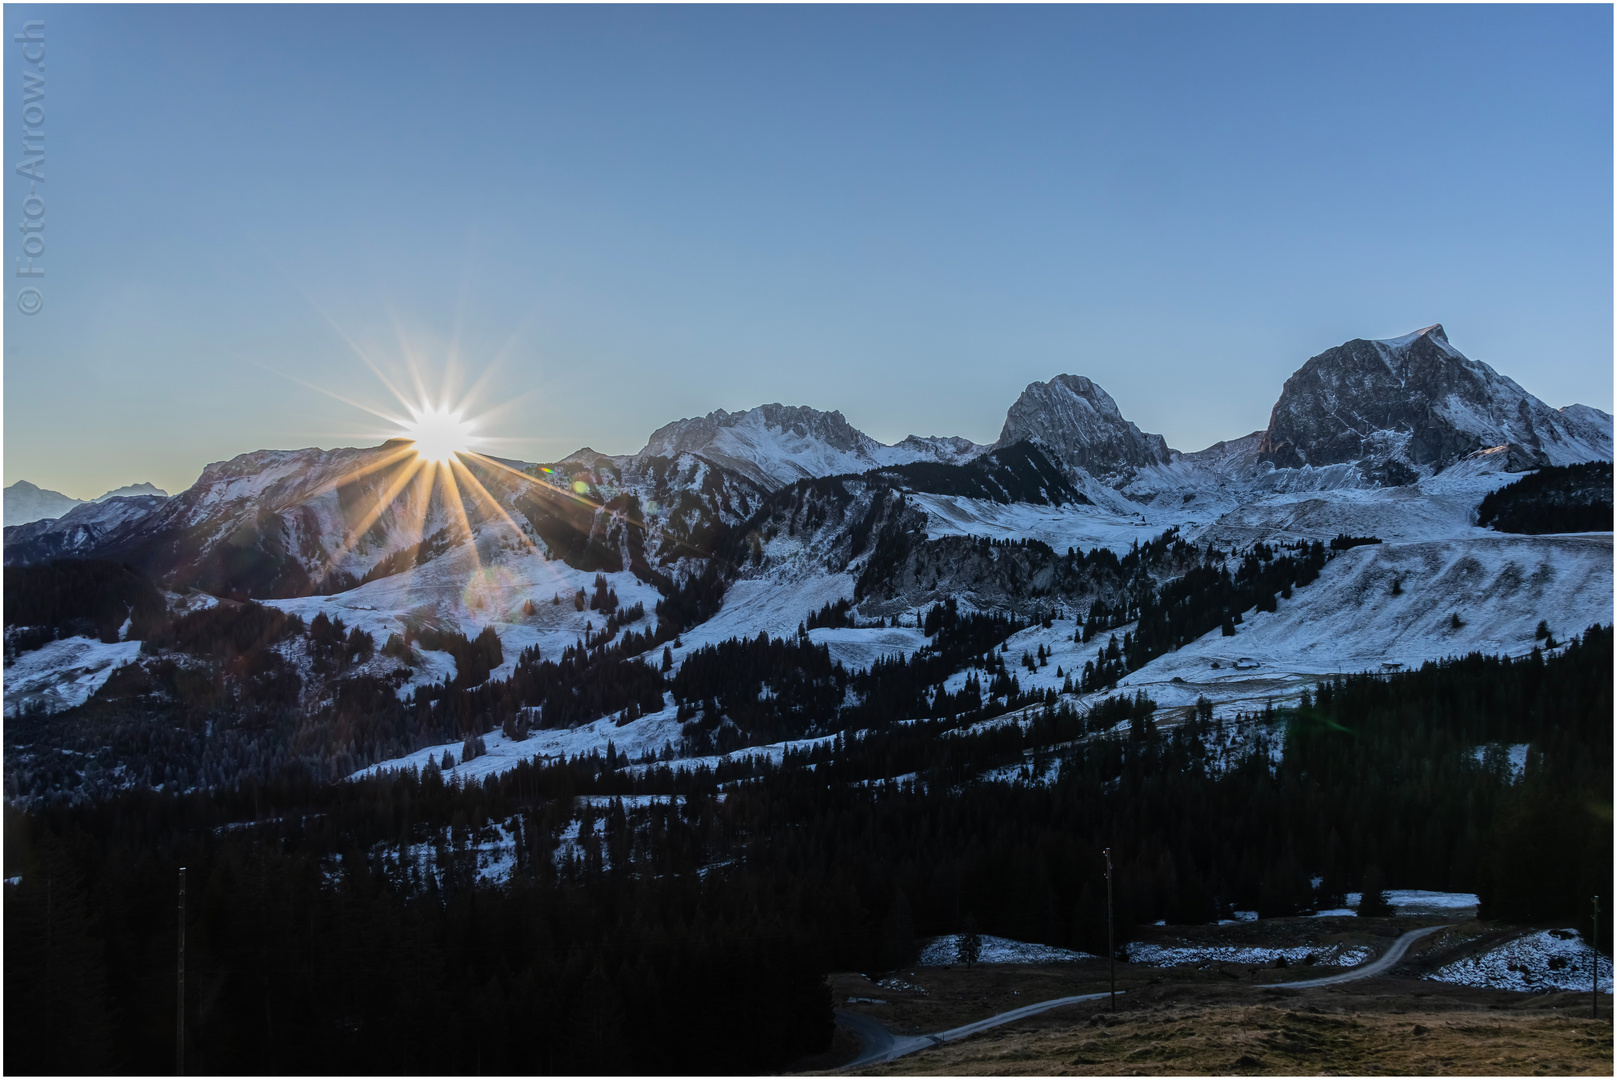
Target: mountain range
x: 1364, y: 415
x: 785, y: 520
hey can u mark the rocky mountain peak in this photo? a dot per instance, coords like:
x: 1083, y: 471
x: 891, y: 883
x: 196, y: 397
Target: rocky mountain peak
x: 1080, y: 426
x: 1402, y: 406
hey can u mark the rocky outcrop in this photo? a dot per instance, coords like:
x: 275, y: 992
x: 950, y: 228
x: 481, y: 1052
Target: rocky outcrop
x: 1079, y: 425
x: 1414, y: 405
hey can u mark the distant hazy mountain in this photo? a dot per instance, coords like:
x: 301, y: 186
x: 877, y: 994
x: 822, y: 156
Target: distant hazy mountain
x: 25, y: 502
x: 132, y: 489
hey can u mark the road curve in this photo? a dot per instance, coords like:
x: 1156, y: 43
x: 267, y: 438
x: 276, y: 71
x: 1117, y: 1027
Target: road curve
x: 1386, y: 961
x: 880, y: 1045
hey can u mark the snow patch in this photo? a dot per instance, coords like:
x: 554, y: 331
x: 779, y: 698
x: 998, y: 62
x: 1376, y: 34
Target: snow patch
x: 943, y: 951
x: 64, y: 673
x: 1537, y: 962
x: 1200, y: 956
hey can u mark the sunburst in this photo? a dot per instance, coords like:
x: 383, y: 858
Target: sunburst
x: 439, y: 433
x: 433, y: 448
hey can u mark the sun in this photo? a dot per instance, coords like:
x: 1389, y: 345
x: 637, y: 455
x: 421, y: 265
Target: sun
x: 439, y: 432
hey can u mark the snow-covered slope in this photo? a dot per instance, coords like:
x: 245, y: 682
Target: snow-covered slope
x: 63, y: 673
x: 1390, y: 607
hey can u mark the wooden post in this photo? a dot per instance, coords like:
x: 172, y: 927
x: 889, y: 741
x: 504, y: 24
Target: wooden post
x: 179, y: 1015
x: 1111, y: 948
x: 1594, y: 976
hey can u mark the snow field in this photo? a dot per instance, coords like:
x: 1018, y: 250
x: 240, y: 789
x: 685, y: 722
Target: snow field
x: 1201, y: 956
x: 771, y: 605
x: 649, y: 733
x: 1514, y: 756
x: 1061, y: 527
x: 858, y: 649
x: 64, y: 673
x: 1414, y: 902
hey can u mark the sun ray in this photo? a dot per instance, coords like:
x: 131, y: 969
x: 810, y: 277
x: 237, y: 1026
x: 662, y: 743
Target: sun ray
x: 384, y: 499
x: 478, y: 490
x: 421, y: 500
x: 454, y: 502
x: 392, y: 457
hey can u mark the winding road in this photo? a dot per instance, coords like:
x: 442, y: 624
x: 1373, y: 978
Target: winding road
x: 880, y: 1045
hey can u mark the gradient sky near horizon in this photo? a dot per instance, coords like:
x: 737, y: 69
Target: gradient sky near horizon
x: 618, y: 216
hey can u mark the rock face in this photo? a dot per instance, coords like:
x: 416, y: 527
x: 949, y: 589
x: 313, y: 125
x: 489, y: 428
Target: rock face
x: 1080, y: 426
x: 1414, y: 405
x: 778, y: 444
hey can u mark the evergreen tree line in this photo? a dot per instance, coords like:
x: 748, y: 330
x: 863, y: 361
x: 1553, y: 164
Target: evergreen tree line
x: 1554, y: 499
x: 70, y: 597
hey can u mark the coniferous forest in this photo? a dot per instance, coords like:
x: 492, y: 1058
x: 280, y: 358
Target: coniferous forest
x: 663, y: 918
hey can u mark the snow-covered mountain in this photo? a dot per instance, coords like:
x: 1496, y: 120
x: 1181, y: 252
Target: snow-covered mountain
x: 79, y: 531
x: 25, y: 502
x: 778, y: 444
x: 1414, y: 405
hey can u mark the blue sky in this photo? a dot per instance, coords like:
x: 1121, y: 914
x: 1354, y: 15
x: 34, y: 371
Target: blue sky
x: 905, y: 213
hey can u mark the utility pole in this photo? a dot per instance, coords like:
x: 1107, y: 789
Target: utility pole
x: 1594, y: 975
x: 179, y: 1015
x: 1111, y: 949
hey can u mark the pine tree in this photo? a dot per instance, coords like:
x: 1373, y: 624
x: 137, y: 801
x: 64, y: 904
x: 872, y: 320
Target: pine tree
x: 1373, y: 900
x: 969, y: 946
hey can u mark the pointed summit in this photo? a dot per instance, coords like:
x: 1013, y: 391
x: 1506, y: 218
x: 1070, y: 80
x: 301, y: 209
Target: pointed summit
x: 1080, y: 426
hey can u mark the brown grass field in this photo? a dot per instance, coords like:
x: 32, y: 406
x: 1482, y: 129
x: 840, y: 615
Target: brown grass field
x: 1269, y: 1040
